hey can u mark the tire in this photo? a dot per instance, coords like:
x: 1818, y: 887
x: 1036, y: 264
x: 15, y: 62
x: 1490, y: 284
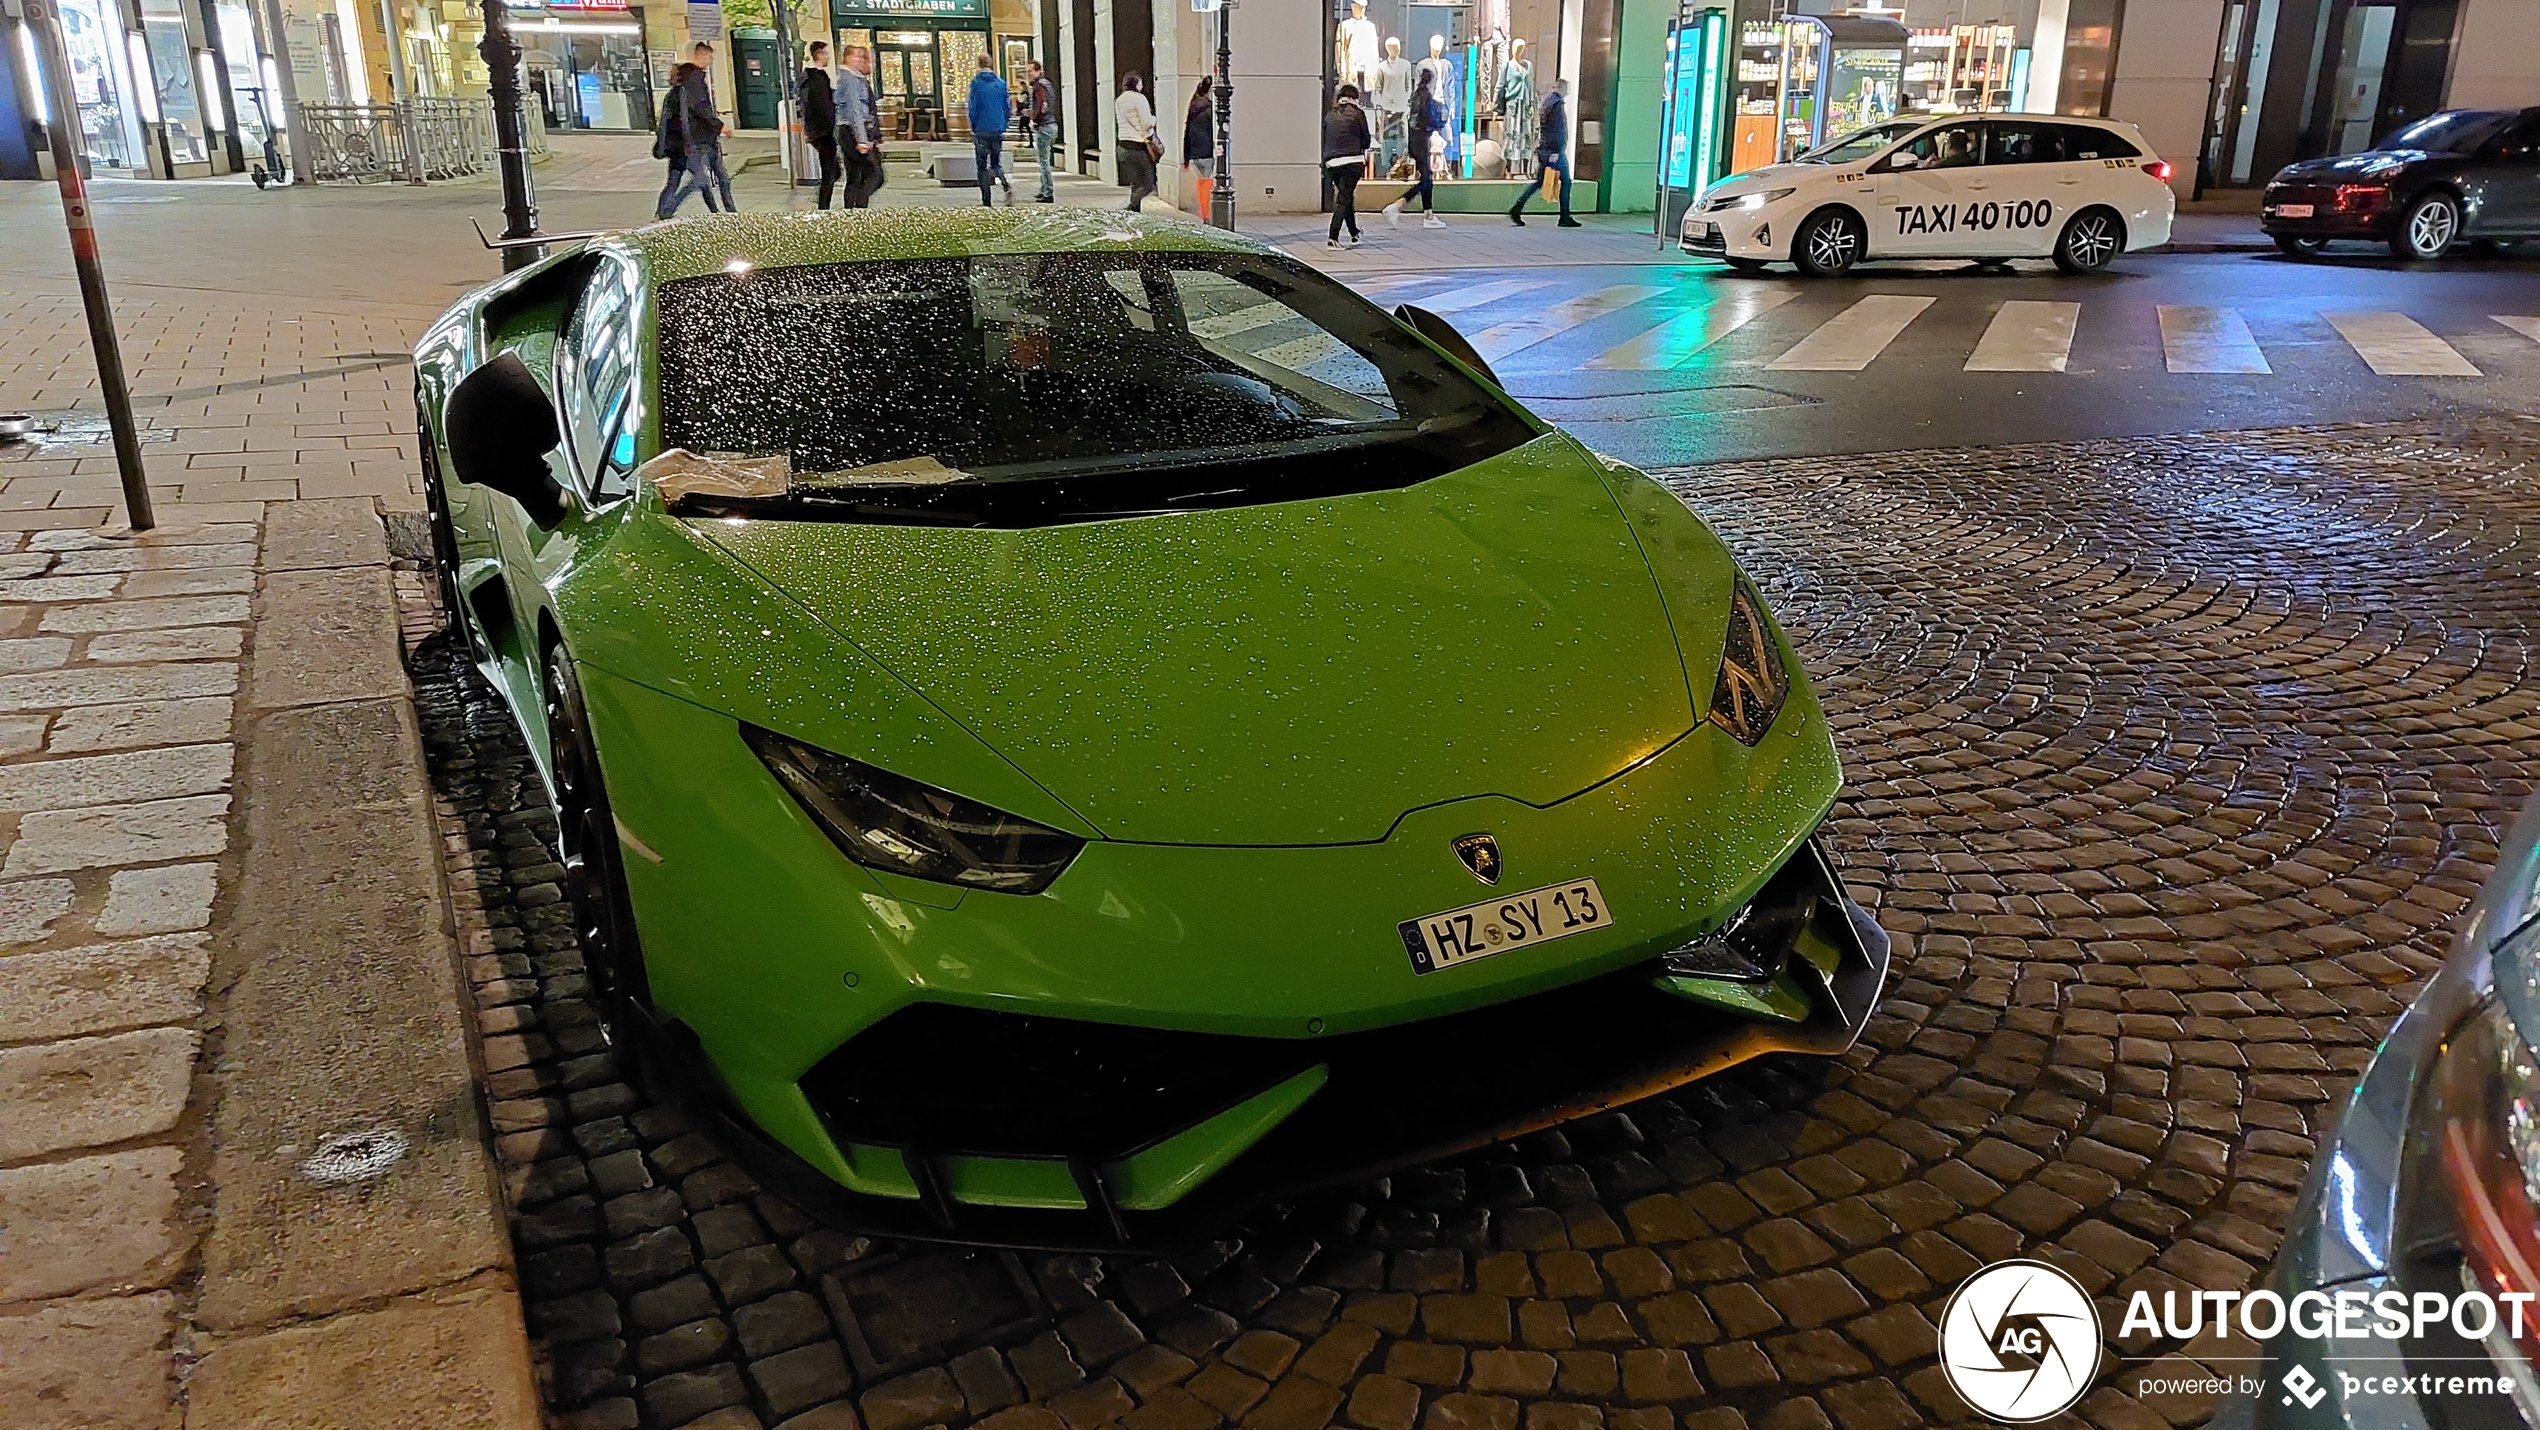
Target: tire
x: 2292, y: 247
x: 445, y: 538
x: 2427, y: 228
x: 1828, y: 243
x: 1745, y: 265
x: 586, y: 836
x: 2089, y: 241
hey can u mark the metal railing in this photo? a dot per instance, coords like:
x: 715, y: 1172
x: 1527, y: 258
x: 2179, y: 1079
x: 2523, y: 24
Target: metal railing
x: 417, y: 140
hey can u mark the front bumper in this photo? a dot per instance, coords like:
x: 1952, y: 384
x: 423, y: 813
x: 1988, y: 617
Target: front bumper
x: 1758, y: 234
x: 2376, y: 219
x: 1375, y: 1101
x: 770, y: 957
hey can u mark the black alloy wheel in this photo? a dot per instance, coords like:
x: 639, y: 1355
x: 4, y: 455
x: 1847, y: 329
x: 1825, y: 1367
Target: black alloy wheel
x: 2426, y: 228
x: 1828, y: 243
x: 586, y: 835
x: 2089, y: 241
x: 2292, y: 247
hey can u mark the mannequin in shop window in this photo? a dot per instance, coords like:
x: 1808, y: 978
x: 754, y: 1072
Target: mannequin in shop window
x: 1354, y: 49
x: 1517, y: 103
x: 1489, y: 62
x: 1391, y: 102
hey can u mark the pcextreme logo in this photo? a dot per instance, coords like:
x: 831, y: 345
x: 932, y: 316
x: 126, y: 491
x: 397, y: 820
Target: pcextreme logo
x: 2019, y: 1341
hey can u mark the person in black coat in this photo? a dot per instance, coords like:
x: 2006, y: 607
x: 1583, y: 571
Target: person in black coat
x: 1199, y: 140
x: 1345, y: 145
x: 1552, y: 156
x: 1428, y: 116
x: 820, y: 119
x: 671, y: 142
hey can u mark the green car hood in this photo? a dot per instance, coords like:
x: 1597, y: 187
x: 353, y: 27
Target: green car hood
x: 1296, y: 673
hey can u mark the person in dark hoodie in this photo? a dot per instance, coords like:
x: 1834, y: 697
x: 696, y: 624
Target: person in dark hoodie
x: 1345, y: 145
x: 1199, y: 142
x: 671, y: 142
x: 705, y: 127
x: 820, y: 118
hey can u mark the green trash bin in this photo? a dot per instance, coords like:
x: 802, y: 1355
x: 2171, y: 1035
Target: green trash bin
x: 756, y: 74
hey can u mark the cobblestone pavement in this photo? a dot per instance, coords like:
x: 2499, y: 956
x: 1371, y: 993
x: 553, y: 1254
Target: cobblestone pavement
x: 2171, y: 760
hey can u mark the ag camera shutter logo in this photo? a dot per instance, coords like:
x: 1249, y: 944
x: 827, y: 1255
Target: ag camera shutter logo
x: 2019, y: 1341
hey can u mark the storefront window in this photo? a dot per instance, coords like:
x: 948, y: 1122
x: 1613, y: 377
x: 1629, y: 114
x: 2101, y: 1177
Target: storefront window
x: 587, y: 65
x: 1488, y: 64
x: 172, y: 75
x: 258, y: 112
x: 924, y: 53
x: 94, y: 38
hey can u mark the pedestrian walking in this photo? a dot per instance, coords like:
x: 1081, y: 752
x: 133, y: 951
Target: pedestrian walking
x: 1040, y: 110
x: 859, y: 129
x: 1199, y: 140
x: 1552, y: 156
x: 1345, y: 144
x: 1428, y: 117
x: 1139, y: 146
x: 670, y: 141
x: 820, y: 118
x: 705, y: 126
x: 991, y: 110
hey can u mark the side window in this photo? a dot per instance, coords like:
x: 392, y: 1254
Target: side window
x: 2522, y: 142
x: 598, y: 382
x: 1283, y: 347
x: 1959, y: 146
x: 2088, y: 141
x: 2017, y: 143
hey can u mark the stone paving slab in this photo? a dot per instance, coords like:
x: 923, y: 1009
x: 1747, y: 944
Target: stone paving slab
x: 2170, y: 761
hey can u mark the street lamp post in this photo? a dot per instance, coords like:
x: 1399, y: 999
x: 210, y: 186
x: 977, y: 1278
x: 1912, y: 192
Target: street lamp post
x: 1221, y: 201
x: 61, y: 122
x: 511, y: 137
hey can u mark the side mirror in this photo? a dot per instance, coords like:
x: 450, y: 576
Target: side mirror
x: 1902, y: 160
x: 1441, y: 332
x: 500, y: 428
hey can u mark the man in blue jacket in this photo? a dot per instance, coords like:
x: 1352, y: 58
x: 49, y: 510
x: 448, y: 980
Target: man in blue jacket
x: 991, y: 110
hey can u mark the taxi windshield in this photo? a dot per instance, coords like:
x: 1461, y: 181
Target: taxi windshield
x: 1860, y: 143
x: 912, y: 382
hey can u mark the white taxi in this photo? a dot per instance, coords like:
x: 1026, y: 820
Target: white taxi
x: 1990, y: 187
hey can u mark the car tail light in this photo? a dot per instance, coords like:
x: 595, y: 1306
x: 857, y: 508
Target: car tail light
x: 2487, y: 1148
x: 2355, y: 198
x: 2158, y: 168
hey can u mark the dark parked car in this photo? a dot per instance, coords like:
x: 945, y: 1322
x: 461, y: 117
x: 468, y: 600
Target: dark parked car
x: 2462, y: 175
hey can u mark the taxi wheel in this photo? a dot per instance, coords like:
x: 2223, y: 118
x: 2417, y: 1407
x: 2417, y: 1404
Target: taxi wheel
x: 2089, y: 241
x: 2300, y: 247
x: 2426, y: 230
x: 1828, y: 242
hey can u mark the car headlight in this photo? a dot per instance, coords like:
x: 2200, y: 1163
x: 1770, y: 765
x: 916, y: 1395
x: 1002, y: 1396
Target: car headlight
x: 1748, y: 695
x: 889, y: 822
x: 1769, y: 196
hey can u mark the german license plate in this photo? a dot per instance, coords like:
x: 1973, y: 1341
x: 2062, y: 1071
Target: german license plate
x: 2293, y: 210
x: 1509, y: 921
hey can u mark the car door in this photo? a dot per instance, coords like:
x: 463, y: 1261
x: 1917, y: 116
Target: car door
x: 1918, y: 189
x: 2028, y: 181
x: 2506, y: 177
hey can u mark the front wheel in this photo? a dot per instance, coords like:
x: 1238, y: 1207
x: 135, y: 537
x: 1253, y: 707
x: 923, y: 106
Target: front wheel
x: 2089, y: 240
x: 1829, y: 242
x: 2426, y: 229
x: 586, y: 836
x: 2292, y: 247
x: 445, y: 539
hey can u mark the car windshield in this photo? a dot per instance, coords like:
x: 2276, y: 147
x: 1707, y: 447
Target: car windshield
x: 2456, y: 132
x: 1033, y: 388
x: 1860, y: 143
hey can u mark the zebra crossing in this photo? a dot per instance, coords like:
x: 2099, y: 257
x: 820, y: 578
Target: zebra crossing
x: 1526, y: 324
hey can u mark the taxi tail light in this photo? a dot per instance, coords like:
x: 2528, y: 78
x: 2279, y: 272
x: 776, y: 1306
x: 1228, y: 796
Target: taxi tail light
x: 2487, y: 1158
x: 2158, y: 168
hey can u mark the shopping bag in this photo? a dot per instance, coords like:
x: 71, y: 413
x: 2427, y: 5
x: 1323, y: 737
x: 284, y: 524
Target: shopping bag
x: 1551, y: 185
